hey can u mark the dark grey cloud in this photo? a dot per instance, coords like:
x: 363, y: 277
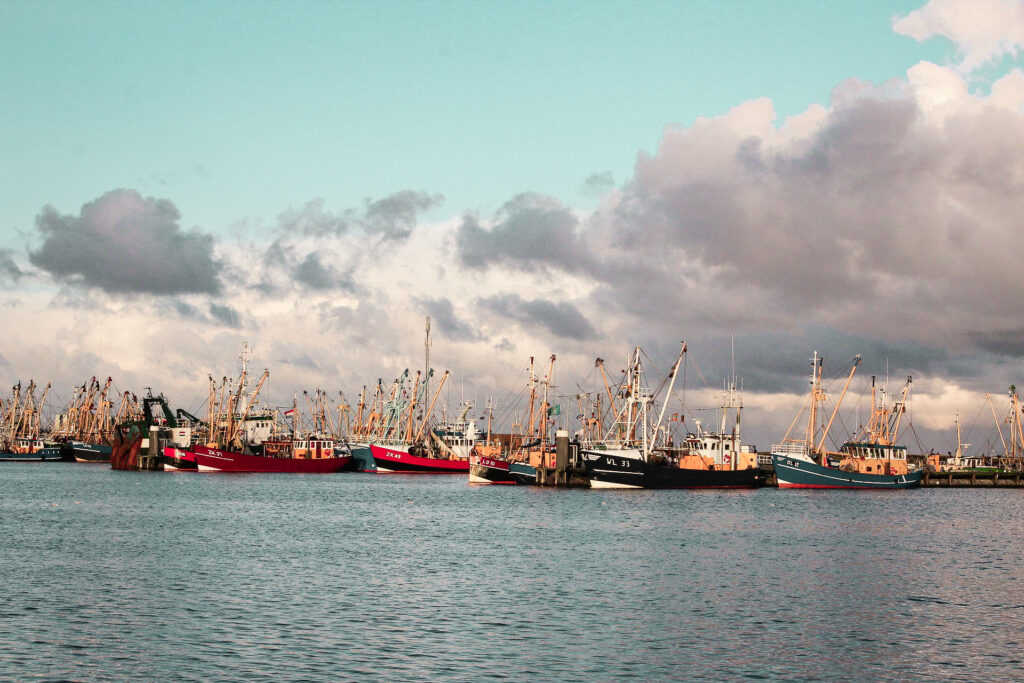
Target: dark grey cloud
x: 299, y: 358
x: 225, y: 315
x: 216, y: 314
x: 1001, y: 342
x: 317, y: 268
x: 448, y: 323
x: 9, y: 270
x: 314, y: 274
x: 529, y: 232
x: 562, y: 319
x: 394, y: 217
x: 124, y: 243
x: 598, y: 184
x: 391, y: 218
x: 186, y: 310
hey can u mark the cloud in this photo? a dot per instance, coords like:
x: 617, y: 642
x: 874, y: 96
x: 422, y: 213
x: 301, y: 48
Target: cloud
x: 1002, y: 342
x: 9, y: 270
x: 442, y: 313
x: 530, y: 231
x: 320, y: 250
x: 878, y: 204
x: 598, y: 184
x: 312, y: 273
x: 562, y: 319
x: 313, y: 220
x: 394, y: 217
x: 124, y: 243
x: 982, y: 30
x: 391, y: 218
x: 225, y: 315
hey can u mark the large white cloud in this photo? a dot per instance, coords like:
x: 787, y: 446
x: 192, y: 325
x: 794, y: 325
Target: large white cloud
x: 982, y: 30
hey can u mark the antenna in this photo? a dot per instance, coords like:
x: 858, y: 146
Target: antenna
x: 732, y: 345
x: 426, y: 355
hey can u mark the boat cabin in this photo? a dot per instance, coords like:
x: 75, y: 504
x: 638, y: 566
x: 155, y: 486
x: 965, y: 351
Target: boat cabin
x: 27, y: 446
x: 313, y: 449
x: 873, y: 458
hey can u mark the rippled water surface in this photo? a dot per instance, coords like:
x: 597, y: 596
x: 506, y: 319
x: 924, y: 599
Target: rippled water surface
x: 159, y: 576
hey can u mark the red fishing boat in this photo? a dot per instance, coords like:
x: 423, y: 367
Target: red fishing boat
x: 399, y: 459
x: 320, y: 458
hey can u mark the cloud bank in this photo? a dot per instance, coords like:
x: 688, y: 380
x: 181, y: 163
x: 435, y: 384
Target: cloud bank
x: 124, y: 243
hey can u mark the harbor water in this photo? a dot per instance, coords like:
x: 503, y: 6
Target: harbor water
x: 152, y: 576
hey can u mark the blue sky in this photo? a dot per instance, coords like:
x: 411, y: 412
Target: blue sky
x: 563, y: 177
x: 238, y: 110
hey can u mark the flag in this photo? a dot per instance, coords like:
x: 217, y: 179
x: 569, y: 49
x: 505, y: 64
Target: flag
x: 555, y: 410
x: 288, y: 412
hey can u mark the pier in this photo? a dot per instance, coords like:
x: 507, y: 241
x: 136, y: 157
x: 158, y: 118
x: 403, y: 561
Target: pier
x: 562, y: 476
x: 988, y: 480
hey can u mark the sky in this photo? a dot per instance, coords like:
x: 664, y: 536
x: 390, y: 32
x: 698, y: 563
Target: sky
x: 760, y: 179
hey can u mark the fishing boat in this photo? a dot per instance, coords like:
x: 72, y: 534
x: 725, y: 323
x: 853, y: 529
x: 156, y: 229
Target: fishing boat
x: 871, y: 460
x: 398, y: 458
x: 85, y: 429
x: 20, y: 428
x: 488, y: 462
x: 318, y: 458
x: 81, y: 451
x: 31, y: 450
x: 1011, y: 458
x: 633, y: 455
x: 528, y: 444
x: 400, y: 437
x: 722, y: 447
x: 241, y: 437
x: 445, y: 449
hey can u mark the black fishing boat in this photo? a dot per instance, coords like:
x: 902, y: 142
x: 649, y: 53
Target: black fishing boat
x: 80, y: 451
x: 628, y: 469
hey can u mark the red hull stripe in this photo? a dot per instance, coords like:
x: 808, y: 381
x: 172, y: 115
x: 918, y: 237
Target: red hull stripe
x: 397, y: 460
x: 226, y: 461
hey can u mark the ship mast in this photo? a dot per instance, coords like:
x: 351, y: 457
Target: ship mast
x: 664, y: 404
x: 426, y: 363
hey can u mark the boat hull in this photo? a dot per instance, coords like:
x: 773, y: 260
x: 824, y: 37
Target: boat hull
x: 397, y: 459
x: 47, y: 454
x: 792, y: 473
x: 488, y: 470
x: 79, y: 451
x: 523, y: 473
x: 362, y: 458
x: 618, y: 472
x: 213, y: 460
x: 178, y: 460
